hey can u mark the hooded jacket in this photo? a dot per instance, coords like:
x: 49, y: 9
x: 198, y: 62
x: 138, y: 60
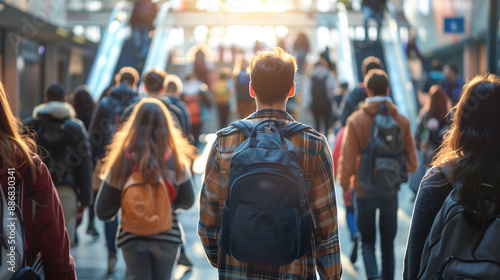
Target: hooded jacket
x: 45, y: 233
x: 69, y: 164
x: 356, y: 136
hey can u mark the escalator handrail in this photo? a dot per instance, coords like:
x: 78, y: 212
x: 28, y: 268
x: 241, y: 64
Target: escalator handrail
x: 397, y: 68
x: 346, y: 54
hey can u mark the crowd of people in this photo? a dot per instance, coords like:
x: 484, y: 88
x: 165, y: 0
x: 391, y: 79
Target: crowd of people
x: 129, y: 153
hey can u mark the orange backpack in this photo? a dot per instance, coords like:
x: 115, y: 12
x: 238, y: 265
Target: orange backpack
x: 146, y: 205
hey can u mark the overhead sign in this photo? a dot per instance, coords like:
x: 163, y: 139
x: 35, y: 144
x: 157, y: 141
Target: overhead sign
x: 454, y: 25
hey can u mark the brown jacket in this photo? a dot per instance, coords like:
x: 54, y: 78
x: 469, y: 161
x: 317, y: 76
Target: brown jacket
x: 355, y: 139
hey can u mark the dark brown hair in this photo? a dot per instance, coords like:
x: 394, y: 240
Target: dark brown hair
x: 272, y: 75
x: 471, y: 147
x: 129, y: 75
x: 153, y: 80
x: 370, y: 63
x: 377, y: 81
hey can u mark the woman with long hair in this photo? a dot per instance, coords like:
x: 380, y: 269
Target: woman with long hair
x: 44, y: 232
x: 433, y: 123
x: 149, y: 143
x: 470, y: 156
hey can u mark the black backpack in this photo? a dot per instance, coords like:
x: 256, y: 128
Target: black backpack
x: 266, y: 217
x: 319, y: 92
x: 383, y: 164
x: 242, y: 87
x: 456, y: 247
x: 53, y: 137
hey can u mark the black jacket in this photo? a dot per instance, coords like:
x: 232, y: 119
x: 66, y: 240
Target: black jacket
x: 66, y: 150
x: 106, y: 116
x: 355, y: 97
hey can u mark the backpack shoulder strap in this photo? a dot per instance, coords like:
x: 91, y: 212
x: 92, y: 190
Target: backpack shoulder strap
x: 244, y: 126
x: 294, y: 128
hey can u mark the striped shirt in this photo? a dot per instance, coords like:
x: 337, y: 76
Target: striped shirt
x: 316, y: 162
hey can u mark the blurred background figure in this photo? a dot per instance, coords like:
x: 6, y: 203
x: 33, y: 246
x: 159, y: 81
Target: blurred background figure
x: 452, y: 83
x: 301, y: 49
x: 246, y: 103
x: 84, y: 107
x: 322, y: 86
x: 142, y: 19
x: 434, y: 121
x: 223, y: 92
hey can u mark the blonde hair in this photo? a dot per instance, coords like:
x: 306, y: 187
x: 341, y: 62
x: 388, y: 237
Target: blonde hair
x: 144, y: 139
x: 14, y: 146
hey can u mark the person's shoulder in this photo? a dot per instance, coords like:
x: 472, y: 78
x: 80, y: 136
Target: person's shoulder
x: 226, y: 131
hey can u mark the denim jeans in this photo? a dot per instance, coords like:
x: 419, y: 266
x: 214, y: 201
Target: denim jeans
x: 110, y: 228
x: 366, y: 221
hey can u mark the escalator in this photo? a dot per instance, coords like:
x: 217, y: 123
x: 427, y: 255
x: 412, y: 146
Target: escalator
x: 118, y: 49
x: 110, y: 49
x: 390, y: 50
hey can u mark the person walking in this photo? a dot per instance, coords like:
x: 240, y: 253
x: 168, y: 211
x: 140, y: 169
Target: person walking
x: 359, y: 94
x: 356, y: 137
x: 272, y: 76
x: 65, y: 150
x: 433, y: 123
x: 105, y: 120
x: 148, y: 143
x: 322, y: 86
x: 84, y: 106
x: 173, y: 91
x: 44, y: 230
x: 452, y: 83
x: 467, y: 163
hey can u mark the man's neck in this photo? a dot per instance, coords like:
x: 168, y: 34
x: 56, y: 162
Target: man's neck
x: 281, y: 106
x: 153, y: 93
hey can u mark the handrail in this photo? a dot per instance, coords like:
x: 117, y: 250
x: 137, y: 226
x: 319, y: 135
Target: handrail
x: 346, y: 58
x: 397, y: 68
x: 117, y: 31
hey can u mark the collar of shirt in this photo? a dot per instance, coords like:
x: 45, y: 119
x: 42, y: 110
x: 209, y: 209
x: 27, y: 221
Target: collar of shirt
x: 271, y: 114
x: 378, y: 99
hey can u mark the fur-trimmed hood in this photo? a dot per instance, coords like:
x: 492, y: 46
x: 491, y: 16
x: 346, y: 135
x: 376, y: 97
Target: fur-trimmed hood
x: 55, y: 109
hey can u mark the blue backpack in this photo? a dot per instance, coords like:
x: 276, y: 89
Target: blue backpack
x: 266, y: 217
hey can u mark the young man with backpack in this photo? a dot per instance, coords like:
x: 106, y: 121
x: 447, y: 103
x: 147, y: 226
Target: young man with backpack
x: 267, y: 205
x: 106, y: 118
x: 66, y: 152
x: 379, y: 151
x: 322, y: 84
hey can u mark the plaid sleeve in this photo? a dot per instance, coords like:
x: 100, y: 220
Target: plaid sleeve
x: 210, y: 212
x: 323, y: 205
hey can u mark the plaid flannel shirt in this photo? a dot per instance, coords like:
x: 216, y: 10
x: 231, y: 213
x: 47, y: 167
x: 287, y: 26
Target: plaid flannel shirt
x: 316, y: 162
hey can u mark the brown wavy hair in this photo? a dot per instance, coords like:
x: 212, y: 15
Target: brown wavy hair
x: 471, y: 147
x: 438, y: 104
x: 15, y: 147
x: 147, y: 136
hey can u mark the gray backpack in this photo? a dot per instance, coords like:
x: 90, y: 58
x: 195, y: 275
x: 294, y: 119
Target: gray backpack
x: 456, y: 247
